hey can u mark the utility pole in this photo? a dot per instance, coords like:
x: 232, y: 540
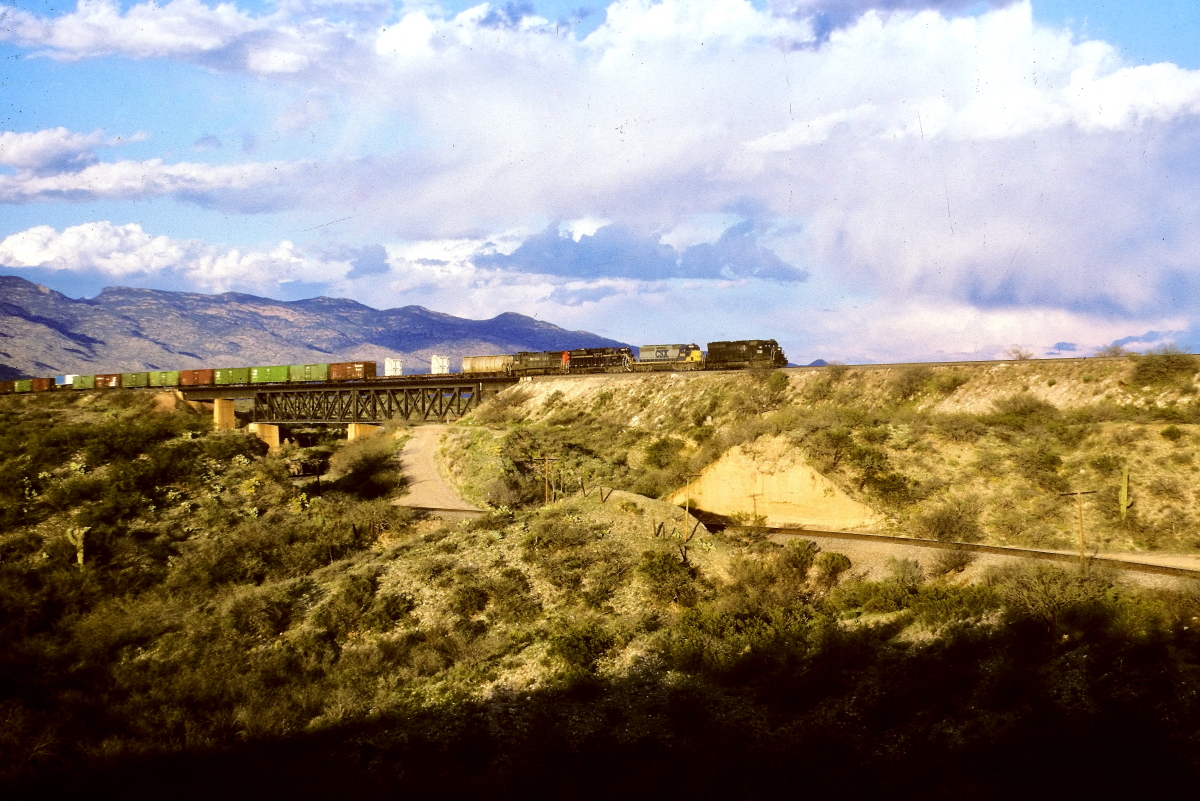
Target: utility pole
x: 1079, y: 505
x: 687, y: 497
x: 546, y: 460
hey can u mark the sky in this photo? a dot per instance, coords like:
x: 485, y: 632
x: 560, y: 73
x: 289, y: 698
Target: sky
x: 862, y: 180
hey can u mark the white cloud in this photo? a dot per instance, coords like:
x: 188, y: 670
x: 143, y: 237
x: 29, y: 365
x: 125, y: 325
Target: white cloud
x: 55, y: 149
x: 246, y: 185
x: 126, y: 251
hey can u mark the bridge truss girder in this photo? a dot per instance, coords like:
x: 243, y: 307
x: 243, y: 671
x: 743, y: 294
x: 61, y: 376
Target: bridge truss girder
x: 371, y: 404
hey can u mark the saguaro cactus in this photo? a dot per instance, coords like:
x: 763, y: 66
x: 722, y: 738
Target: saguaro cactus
x: 1124, y: 501
x: 77, y: 537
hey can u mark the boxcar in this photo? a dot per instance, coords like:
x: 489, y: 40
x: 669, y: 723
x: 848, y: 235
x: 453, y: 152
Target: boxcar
x: 7, y: 387
x: 231, y: 375
x: 351, y: 371
x: 308, y: 372
x: 84, y: 382
x: 23, y: 385
x: 277, y: 374
x: 486, y: 364
x: 196, y: 378
x: 745, y: 353
x: 41, y: 384
x: 164, y: 378
x: 135, y: 380
x: 64, y: 381
x: 108, y: 380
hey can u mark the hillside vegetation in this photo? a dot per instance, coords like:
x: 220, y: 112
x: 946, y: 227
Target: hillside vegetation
x: 177, y: 610
x: 975, y: 453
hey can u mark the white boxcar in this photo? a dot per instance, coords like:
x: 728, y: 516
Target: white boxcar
x: 393, y: 367
x: 486, y: 364
x: 439, y: 365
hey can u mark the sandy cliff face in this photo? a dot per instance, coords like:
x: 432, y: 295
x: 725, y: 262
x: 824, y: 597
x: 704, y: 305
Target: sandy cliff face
x: 770, y: 478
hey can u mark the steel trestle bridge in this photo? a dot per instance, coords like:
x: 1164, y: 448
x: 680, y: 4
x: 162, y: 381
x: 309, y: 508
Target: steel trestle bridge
x: 360, y: 402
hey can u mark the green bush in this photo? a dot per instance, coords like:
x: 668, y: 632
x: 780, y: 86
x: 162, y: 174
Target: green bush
x: 1172, y: 433
x: 1163, y: 365
x: 668, y: 579
x: 581, y: 644
x: 954, y: 520
x: 831, y: 566
x: 911, y: 382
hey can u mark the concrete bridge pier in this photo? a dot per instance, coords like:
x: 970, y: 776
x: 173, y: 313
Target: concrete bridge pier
x: 267, y: 433
x: 361, y: 431
x: 223, y: 417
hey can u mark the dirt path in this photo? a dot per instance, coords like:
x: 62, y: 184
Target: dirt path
x: 427, y: 488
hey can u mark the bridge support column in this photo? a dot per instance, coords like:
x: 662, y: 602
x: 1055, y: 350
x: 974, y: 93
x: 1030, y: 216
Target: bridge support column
x: 361, y: 430
x: 223, y: 417
x: 267, y: 433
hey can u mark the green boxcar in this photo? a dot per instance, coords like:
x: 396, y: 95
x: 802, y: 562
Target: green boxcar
x: 269, y: 375
x: 83, y: 382
x: 231, y: 375
x: 164, y: 378
x: 308, y: 372
x: 24, y: 385
x: 135, y: 380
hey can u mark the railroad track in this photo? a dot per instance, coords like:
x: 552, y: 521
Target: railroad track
x: 1025, y: 553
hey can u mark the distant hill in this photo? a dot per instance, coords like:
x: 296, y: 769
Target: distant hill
x: 43, y: 332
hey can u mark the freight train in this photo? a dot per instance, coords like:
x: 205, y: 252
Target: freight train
x: 742, y: 354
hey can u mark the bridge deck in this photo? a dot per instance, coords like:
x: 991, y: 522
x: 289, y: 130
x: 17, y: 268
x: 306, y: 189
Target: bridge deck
x: 404, y: 398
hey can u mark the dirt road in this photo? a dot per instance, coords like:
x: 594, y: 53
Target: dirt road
x: 427, y: 488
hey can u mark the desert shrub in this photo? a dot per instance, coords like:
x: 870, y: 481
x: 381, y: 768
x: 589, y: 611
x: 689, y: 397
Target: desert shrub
x: 830, y: 566
x: 905, y: 572
x: 342, y: 611
x: 503, y: 408
x: 1105, y: 463
x: 468, y: 599
x: 555, y: 530
x: 580, y: 644
x: 830, y: 445
x: 1022, y: 410
x: 953, y: 520
x: 777, y: 382
x: 1172, y: 433
x: 667, y: 578
x: 948, y: 383
x: 1040, y: 465
x: 512, y: 595
x: 938, y: 605
x: 911, y: 382
x: 663, y: 452
x: 365, y: 466
x: 225, y: 445
x: 1053, y: 597
x: 959, y: 427
x: 1163, y: 365
x: 951, y: 560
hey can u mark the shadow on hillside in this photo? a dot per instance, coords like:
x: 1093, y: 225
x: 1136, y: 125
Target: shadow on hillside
x: 1012, y: 715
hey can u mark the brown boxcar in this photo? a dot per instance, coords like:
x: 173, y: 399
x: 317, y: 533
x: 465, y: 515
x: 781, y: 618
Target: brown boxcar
x: 351, y: 371
x: 195, y: 378
x: 43, y: 384
x: 7, y: 387
x: 108, y: 381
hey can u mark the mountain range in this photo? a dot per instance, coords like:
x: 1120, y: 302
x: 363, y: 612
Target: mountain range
x: 44, y: 332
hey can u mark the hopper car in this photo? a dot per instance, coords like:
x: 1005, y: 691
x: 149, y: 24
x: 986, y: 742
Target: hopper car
x: 742, y: 354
